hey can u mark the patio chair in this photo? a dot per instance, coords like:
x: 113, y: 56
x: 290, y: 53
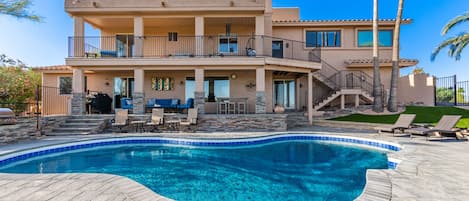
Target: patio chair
x: 444, y: 126
x: 121, y: 119
x: 156, y: 118
x: 403, y: 122
x: 191, y: 118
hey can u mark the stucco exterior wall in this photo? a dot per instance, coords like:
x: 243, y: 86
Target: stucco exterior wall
x: 416, y: 89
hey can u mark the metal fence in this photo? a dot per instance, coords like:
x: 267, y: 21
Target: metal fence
x: 451, y: 92
x: 45, y: 101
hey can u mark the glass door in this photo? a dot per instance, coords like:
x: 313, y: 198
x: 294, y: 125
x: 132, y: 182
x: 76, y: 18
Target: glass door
x: 284, y: 93
x: 123, y: 88
x: 277, y: 49
x: 124, y: 45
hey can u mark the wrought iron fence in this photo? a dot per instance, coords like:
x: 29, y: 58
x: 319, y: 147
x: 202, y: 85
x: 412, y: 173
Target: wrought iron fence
x: 451, y: 92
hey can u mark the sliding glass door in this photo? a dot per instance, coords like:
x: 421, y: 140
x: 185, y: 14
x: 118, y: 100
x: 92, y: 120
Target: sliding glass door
x: 284, y: 93
x: 123, y: 88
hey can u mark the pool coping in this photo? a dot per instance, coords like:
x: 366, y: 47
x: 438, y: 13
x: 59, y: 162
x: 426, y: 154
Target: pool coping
x: 378, y: 183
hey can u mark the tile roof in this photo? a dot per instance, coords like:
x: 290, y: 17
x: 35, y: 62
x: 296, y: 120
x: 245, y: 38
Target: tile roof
x: 364, y: 62
x: 404, y: 21
x: 52, y: 68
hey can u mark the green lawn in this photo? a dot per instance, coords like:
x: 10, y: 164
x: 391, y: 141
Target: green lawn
x: 424, y: 115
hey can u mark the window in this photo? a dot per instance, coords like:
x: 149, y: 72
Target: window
x: 365, y: 38
x: 65, y: 85
x: 173, y: 36
x: 228, y: 44
x: 214, y: 87
x: 323, y: 39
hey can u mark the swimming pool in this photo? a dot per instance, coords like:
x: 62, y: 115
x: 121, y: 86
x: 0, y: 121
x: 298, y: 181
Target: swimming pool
x: 294, y: 167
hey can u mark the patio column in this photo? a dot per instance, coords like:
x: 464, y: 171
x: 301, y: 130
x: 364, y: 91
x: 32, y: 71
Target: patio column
x: 357, y: 100
x: 78, y: 92
x: 138, y: 99
x: 199, y: 35
x: 138, y: 36
x: 199, y: 94
x: 310, y: 98
x: 260, y: 91
x: 78, y: 39
x: 260, y: 32
x: 342, y: 101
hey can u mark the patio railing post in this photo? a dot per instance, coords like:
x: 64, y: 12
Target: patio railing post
x: 455, y: 87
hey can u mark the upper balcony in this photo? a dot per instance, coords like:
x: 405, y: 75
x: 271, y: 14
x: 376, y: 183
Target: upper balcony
x: 116, y: 6
x: 191, y: 49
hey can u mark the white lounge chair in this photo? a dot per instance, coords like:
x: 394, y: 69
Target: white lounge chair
x: 156, y: 118
x: 191, y: 118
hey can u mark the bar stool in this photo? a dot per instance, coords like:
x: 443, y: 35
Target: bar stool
x: 222, y: 108
x: 231, y: 107
x: 241, y: 107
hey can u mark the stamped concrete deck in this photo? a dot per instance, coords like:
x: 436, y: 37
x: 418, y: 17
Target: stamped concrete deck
x: 429, y: 171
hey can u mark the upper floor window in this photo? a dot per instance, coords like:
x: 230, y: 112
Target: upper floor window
x: 173, y: 36
x: 228, y: 44
x: 365, y: 38
x: 323, y: 39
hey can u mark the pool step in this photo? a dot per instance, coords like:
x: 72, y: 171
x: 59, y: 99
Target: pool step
x: 79, y: 125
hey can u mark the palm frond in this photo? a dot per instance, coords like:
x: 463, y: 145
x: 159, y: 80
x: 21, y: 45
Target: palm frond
x: 444, y: 44
x: 455, y: 21
x: 460, y: 47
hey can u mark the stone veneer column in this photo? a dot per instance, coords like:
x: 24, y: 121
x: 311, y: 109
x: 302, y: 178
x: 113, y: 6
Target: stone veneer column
x: 260, y: 91
x: 199, y: 94
x: 138, y: 97
x: 78, y: 92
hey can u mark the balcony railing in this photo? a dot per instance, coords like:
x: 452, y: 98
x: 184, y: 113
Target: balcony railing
x: 123, y: 46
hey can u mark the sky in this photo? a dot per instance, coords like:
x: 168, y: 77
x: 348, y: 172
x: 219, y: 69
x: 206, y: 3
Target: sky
x: 45, y: 43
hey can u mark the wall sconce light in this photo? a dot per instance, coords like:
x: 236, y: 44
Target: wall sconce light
x: 163, y: 4
x: 251, y: 85
x: 107, y: 83
x: 301, y: 85
x: 287, y: 45
x: 232, y: 3
x: 95, y: 4
x: 181, y: 82
x: 233, y: 76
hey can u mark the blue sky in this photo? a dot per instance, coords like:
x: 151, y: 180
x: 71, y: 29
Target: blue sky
x: 40, y: 44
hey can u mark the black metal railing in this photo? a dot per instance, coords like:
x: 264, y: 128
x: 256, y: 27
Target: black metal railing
x: 124, y: 46
x: 451, y: 92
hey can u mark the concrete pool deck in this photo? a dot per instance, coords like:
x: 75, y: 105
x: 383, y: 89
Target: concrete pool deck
x: 430, y: 170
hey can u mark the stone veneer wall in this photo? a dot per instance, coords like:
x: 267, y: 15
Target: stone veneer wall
x: 242, y: 123
x: 24, y: 129
x: 78, y: 103
x: 260, y: 102
x: 138, y: 101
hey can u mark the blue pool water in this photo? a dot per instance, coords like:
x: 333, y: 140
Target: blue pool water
x: 296, y: 170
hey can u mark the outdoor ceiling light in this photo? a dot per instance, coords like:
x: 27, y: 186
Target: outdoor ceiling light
x: 233, y: 76
x: 75, y: 2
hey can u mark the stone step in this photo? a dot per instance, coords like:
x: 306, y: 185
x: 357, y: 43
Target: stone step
x: 87, y: 117
x: 74, y: 130
x: 84, y: 120
x: 80, y: 125
x: 67, y: 133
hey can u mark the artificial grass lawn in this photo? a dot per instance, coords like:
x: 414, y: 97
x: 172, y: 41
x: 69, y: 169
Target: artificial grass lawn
x: 424, y: 115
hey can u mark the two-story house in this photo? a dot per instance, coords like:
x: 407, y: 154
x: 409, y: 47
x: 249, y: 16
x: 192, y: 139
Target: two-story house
x: 218, y: 50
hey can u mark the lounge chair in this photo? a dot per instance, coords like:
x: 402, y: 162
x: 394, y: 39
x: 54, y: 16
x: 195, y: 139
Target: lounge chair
x: 403, y: 122
x: 444, y: 126
x: 191, y: 118
x: 121, y: 119
x: 156, y: 118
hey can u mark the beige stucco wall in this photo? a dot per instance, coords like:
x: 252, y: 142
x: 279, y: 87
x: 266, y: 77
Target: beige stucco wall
x: 53, y: 103
x: 285, y: 14
x: 416, y: 88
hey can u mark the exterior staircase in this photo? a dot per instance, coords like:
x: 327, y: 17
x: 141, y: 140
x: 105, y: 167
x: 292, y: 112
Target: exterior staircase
x: 336, y: 94
x: 79, y: 125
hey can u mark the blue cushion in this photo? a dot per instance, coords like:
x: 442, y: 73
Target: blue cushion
x: 151, y: 102
x: 174, y: 102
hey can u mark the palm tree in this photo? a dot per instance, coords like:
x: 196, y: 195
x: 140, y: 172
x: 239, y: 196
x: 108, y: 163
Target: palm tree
x: 377, y: 96
x: 18, y: 8
x: 456, y: 43
x: 392, y: 102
